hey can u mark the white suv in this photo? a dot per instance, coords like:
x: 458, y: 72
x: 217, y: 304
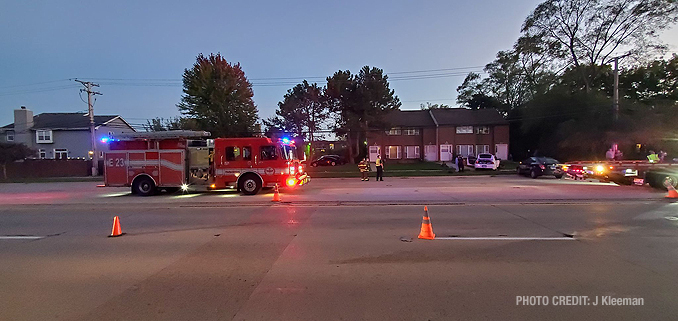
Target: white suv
x: 486, y: 161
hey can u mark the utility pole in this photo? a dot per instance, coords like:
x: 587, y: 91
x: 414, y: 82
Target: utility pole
x: 90, y: 107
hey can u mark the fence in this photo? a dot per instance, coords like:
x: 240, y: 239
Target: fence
x: 34, y: 168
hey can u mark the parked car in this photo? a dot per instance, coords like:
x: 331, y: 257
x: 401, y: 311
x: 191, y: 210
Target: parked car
x: 486, y: 161
x: 539, y: 166
x: 328, y: 160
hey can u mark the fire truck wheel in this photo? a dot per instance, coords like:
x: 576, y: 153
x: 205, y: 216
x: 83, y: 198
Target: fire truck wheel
x: 143, y: 186
x: 250, y: 184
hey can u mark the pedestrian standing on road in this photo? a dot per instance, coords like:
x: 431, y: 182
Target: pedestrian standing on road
x: 364, y: 167
x: 380, y: 168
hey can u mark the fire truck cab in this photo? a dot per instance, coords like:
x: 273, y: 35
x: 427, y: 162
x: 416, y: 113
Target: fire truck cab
x: 174, y: 160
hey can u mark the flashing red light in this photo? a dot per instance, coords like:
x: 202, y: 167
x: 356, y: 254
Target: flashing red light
x: 291, y: 182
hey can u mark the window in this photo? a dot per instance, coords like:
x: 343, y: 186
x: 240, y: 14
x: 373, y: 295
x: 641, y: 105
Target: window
x: 412, y: 152
x: 268, y: 153
x: 394, y: 131
x: 393, y: 152
x: 465, y: 150
x: 43, y: 136
x: 232, y: 153
x: 412, y: 131
x: 465, y: 130
x: 60, y: 153
x: 483, y: 130
x: 247, y: 153
x: 42, y: 154
x: 10, y: 136
x: 483, y: 149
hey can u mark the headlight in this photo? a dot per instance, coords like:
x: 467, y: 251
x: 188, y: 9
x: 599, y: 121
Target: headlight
x: 600, y: 168
x: 291, y: 182
x: 184, y: 187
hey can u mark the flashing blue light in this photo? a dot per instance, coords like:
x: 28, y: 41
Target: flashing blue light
x: 286, y: 140
x: 105, y: 140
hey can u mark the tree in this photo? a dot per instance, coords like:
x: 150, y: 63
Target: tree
x: 177, y: 123
x: 652, y: 83
x: 219, y: 97
x: 360, y: 103
x: 587, y: 33
x: 10, y: 152
x: 302, y: 112
x: 429, y: 106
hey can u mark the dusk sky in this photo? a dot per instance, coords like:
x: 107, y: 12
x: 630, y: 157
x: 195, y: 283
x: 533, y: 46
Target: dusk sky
x: 138, y: 50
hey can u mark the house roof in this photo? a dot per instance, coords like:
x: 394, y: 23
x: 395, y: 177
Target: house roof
x: 468, y: 117
x: 67, y: 121
x: 445, y: 117
x: 410, y: 118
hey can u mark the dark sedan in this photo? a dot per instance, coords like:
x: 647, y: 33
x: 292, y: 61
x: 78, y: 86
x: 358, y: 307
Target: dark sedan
x: 328, y: 160
x: 539, y: 166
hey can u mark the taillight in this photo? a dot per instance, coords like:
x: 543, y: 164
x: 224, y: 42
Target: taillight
x: 301, y: 168
x: 291, y: 170
x: 542, y: 166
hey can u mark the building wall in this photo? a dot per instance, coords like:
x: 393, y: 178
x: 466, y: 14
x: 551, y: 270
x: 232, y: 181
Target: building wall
x: 501, y: 134
x: 429, y: 136
x: 447, y: 136
x: 78, y: 142
x: 75, y: 141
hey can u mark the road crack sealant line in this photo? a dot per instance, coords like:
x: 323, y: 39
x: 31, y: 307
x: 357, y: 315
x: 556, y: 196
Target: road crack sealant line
x: 27, y: 237
x: 533, y: 222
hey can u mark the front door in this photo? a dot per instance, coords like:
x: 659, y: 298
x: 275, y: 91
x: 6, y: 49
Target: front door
x: 374, y: 151
x: 430, y: 153
x: 446, y: 153
x: 501, y: 151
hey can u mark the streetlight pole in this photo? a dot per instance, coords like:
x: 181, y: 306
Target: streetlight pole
x: 615, y: 96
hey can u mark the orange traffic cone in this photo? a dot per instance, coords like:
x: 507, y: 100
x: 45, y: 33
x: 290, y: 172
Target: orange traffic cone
x: 117, y: 231
x: 672, y: 191
x: 426, y: 229
x: 276, y: 194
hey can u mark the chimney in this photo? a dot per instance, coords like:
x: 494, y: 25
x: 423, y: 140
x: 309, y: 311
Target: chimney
x: 23, y: 119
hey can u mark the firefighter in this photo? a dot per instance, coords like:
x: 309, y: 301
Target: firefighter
x: 380, y: 168
x: 460, y: 163
x: 364, y: 167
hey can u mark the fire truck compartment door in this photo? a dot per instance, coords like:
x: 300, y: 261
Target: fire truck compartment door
x: 172, y: 169
x: 115, y: 171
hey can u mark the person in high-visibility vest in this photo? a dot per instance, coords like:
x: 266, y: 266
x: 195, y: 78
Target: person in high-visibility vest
x: 380, y: 168
x: 364, y: 167
x: 653, y: 157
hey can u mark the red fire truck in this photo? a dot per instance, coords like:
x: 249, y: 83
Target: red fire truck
x: 173, y: 160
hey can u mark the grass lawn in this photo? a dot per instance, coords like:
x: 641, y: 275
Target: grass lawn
x: 403, y: 170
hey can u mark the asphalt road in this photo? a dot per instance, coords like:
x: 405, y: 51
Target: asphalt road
x: 339, y: 250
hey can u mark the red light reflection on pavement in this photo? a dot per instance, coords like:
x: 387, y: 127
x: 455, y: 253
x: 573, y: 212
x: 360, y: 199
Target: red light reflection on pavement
x: 32, y: 198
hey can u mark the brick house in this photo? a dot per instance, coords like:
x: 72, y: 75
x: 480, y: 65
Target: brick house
x: 62, y: 135
x: 440, y: 134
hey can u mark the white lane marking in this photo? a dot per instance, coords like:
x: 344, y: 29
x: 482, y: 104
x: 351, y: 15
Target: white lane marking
x: 507, y: 238
x: 20, y: 237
